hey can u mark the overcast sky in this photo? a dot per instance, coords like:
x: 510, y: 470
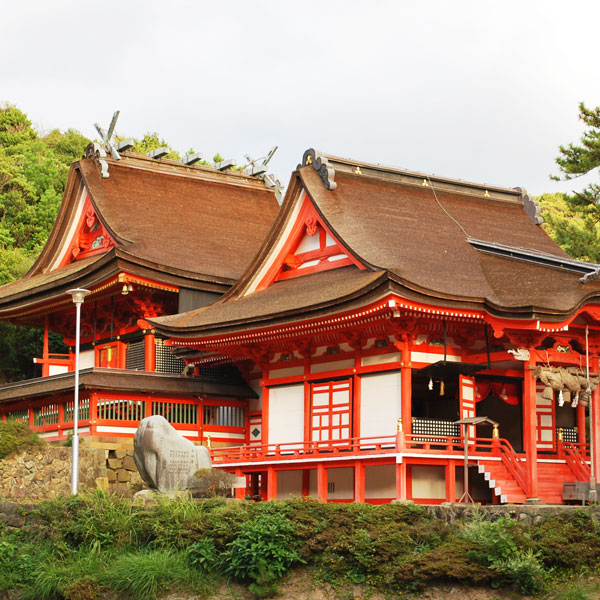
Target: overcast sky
x: 472, y: 90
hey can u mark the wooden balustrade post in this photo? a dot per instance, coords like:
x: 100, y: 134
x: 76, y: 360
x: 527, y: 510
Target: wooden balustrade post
x: 560, y: 448
x: 400, y: 439
x: 496, y: 439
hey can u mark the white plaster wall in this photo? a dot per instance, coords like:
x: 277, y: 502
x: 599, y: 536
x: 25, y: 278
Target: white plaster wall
x: 428, y: 482
x: 287, y: 372
x: 289, y: 483
x: 57, y: 369
x: 380, y: 481
x: 255, y: 404
x: 332, y: 366
x: 380, y: 397
x: 86, y: 359
x: 286, y: 414
x: 381, y: 359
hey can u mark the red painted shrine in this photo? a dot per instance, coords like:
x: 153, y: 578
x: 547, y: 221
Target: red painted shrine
x: 332, y: 355
x: 153, y: 238
x: 384, y: 307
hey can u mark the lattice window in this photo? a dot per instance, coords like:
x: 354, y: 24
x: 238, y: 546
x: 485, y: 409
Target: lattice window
x: 224, y: 416
x: 45, y: 415
x: 176, y: 412
x: 166, y: 361
x: 121, y: 410
x: 84, y: 410
x: 136, y: 356
x: 570, y: 434
x: 331, y: 404
x: 434, y: 427
x: 20, y: 416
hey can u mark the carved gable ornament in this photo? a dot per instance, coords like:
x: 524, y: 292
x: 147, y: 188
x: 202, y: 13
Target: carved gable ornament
x: 91, y: 237
x: 310, y: 247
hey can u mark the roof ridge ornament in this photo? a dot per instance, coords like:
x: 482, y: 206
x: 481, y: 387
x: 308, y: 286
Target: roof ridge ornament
x: 321, y: 166
x: 97, y: 152
x: 107, y: 135
x: 531, y: 207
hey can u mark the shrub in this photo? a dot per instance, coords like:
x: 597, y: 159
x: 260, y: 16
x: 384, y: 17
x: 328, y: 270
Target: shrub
x: 212, y: 482
x: 202, y: 555
x: 263, y: 552
x: 16, y: 437
x: 523, y: 569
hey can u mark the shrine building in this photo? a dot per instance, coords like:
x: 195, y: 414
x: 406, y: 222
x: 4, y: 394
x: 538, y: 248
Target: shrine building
x: 147, y: 237
x: 384, y: 308
x: 363, y: 342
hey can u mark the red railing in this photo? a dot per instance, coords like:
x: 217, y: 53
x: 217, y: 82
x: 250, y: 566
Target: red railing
x: 419, y: 443
x: 370, y: 445
x: 574, y: 455
x: 513, y: 463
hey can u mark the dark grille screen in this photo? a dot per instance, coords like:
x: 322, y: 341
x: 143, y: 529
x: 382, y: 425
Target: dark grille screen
x: 166, y: 361
x: 135, y: 356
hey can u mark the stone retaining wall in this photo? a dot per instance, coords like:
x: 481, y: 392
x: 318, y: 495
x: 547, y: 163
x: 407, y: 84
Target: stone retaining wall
x: 123, y: 476
x: 46, y: 473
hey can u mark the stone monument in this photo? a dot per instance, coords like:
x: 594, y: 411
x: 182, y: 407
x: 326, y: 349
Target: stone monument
x: 166, y: 461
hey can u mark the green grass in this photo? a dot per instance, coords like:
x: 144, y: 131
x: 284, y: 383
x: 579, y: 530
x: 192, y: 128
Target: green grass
x: 78, y: 548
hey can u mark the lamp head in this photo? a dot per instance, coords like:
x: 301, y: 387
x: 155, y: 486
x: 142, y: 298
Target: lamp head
x: 78, y: 295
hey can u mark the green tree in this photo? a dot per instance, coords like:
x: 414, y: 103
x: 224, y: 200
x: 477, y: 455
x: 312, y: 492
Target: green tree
x: 576, y: 160
x: 575, y: 230
x: 33, y: 175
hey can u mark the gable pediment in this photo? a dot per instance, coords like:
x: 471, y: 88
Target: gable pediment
x: 307, y: 245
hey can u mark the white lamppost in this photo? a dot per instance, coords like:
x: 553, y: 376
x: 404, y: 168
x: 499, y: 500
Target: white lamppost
x: 78, y: 295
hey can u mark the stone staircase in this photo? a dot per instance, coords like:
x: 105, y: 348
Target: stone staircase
x: 502, y: 483
x: 550, y: 482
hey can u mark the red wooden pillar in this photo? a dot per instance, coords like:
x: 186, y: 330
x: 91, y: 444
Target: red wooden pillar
x: 93, y: 412
x: 305, y: 483
x: 240, y: 493
x: 530, y: 426
x: 406, y: 387
x: 581, y: 428
x: 401, y: 483
x: 594, y: 364
x: 451, y: 481
x: 265, y: 414
x: 359, y: 482
x: 149, y: 350
x: 322, y: 483
x: 46, y: 351
x: 271, y: 483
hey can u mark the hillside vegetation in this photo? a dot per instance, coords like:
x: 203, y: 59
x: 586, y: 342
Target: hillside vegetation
x: 84, y: 547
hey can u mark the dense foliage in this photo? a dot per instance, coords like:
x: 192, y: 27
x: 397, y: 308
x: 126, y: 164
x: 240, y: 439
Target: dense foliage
x: 575, y: 230
x: 578, y: 159
x: 80, y: 547
x: 16, y: 437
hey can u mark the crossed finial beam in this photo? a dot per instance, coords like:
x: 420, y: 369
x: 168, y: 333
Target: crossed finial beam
x: 107, y: 135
